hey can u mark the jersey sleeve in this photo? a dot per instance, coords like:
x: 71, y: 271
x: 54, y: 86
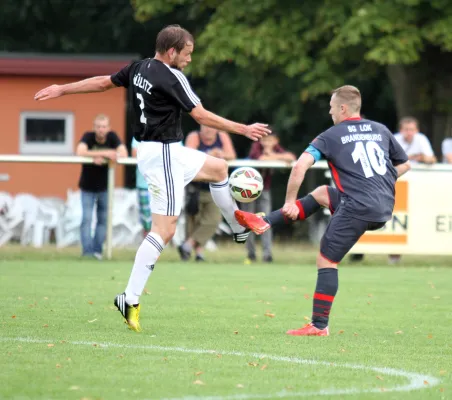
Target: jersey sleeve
x: 122, y: 77
x: 396, y: 153
x: 180, y: 90
x: 115, y: 140
x: 314, y: 153
x: 321, y: 144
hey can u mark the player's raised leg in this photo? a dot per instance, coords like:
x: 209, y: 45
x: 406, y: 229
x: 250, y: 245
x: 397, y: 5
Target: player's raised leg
x: 215, y: 171
x: 323, y: 196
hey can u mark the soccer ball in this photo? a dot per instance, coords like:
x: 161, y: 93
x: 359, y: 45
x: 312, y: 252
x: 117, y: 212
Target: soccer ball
x: 245, y: 184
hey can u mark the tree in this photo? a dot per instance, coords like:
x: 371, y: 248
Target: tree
x: 320, y: 45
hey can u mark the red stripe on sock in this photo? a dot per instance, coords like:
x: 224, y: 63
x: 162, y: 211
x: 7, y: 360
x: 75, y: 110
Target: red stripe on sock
x: 286, y: 220
x: 302, y: 214
x: 325, y: 297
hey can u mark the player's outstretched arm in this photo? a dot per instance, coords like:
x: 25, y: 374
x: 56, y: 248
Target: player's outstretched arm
x: 402, y: 168
x: 205, y: 117
x: 296, y: 178
x: 90, y: 85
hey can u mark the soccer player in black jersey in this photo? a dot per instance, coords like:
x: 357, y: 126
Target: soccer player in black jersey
x: 365, y: 161
x: 159, y: 92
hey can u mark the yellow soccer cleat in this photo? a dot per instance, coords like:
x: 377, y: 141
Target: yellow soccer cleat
x: 131, y: 314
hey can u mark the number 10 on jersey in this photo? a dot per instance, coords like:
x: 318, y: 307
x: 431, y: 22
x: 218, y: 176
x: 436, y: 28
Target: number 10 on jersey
x: 372, y: 158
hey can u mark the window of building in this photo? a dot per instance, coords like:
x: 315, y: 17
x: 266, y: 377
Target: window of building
x: 46, y: 133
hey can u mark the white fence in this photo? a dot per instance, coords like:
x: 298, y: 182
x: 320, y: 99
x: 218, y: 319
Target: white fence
x: 444, y: 170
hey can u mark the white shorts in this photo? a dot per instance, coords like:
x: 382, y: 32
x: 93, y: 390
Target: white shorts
x: 168, y: 168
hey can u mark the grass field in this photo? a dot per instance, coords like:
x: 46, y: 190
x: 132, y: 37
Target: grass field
x: 217, y: 330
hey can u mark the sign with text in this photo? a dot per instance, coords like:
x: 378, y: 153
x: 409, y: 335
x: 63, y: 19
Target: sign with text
x: 422, y: 218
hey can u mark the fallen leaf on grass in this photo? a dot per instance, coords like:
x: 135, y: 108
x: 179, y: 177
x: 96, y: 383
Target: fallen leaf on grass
x: 441, y: 390
x: 240, y: 386
x: 74, y: 388
x: 442, y: 372
x: 426, y: 383
x: 93, y: 320
x: 19, y: 298
x: 50, y: 345
x: 257, y: 326
x: 199, y: 373
x: 236, y: 332
x: 283, y: 288
x: 90, y: 302
x: 58, y: 365
x: 307, y: 296
x: 341, y: 332
x: 182, y: 288
x: 198, y: 382
x: 383, y: 389
x: 62, y: 341
x: 379, y: 378
x: 45, y: 326
x: 306, y: 318
x: 370, y: 295
x: 13, y: 316
x: 289, y: 388
x: 68, y: 359
x: 369, y: 303
x: 264, y: 367
x: 46, y: 298
x: 398, y: 332
x: 146, y: 291
x: 165, y: 359
x: 219, y: 356
x: 251, y: 337
x: 253, y: 364
x: 429, y: 336
x: 267, y: 314
x: 355, y: 334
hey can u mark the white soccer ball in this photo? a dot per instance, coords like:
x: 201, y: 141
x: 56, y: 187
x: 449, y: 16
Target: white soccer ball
x: 245, y: 184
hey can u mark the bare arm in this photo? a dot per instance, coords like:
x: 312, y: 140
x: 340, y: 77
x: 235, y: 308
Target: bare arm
x: 82, y: 151
x: 205, y: 117
x: 296, y: 178
x: 134, y: 152
x: 90, y: 85
x: 427, y: 159
x: 449, y: 158
x: 286, y: 156
x: 228, y: 148
x: 403, y: 168
x: 192, y: 141
x: 121, y: 150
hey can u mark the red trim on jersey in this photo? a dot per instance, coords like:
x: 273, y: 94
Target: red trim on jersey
x: 337, y: 181
x: 352, y: 119
x: 302, y: 214
x: 324, y: 297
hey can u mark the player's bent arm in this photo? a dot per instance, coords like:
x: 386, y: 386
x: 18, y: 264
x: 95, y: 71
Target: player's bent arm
x: 205, y: 117
x: 297, y: 175
x: 122, y: 151
x: 90, y: 85
x: 402, y: 168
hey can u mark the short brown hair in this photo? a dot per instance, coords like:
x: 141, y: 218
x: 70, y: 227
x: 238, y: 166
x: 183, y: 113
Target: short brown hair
x: 349, y: 95
x: 172, y: 36
x: 408, y: 120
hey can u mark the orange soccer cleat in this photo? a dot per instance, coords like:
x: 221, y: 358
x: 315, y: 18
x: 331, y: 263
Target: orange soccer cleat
x: 309, y: 330
x: 251, y: 221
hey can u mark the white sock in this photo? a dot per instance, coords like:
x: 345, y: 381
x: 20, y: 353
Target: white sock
x: 145, y: 259
x: 224, y: 201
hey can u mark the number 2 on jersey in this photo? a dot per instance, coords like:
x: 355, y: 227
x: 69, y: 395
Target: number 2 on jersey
x: 372, y: 158
x: 142, y: 117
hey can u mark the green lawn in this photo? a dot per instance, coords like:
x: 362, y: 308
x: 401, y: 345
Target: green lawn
x: 207, y: 335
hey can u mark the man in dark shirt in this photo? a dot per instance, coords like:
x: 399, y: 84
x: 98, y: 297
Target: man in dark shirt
x: 102, y: 144
x: 365, y: 161
x: 159, y: 92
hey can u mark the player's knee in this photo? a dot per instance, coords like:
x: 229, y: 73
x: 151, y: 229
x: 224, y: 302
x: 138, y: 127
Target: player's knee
x: 320, y: 195
x: 222, y: 170
x: 323, y: 262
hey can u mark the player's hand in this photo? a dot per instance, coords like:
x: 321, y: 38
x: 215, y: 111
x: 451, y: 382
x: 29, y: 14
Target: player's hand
x: 257, y: 131
x: 99, y: 160
x: 111, y: 155
x: 50, y: 92
x: 290, y: 210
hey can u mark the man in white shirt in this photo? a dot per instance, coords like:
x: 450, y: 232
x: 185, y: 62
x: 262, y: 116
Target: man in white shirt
x: 415, y: 144
x: 446, y: 148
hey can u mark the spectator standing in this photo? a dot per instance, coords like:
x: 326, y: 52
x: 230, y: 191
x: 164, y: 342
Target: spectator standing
x: 415, y: 144
x: 203, y: 216
x: 144, y: 201
x: 102, y: 144
x: 446, y: 149
x: 268, y: 149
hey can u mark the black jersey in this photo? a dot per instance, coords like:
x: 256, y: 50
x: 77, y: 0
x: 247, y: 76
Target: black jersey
x: 158, y: 94
x: 361, y: 155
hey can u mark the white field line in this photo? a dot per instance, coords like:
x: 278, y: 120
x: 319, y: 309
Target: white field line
x: 415, y: 380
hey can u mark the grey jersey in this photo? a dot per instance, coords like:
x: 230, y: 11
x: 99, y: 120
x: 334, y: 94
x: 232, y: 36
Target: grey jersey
x: 362, y: 155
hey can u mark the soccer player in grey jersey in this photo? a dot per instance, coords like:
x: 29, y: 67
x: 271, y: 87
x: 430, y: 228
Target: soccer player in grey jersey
x: 365, y: 161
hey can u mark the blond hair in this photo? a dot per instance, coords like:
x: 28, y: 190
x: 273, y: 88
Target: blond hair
x: 349, y: 95
x: 408, y: 120
x: 102, y: 117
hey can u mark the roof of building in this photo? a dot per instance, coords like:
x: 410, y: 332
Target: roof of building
x: 74, y: 65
